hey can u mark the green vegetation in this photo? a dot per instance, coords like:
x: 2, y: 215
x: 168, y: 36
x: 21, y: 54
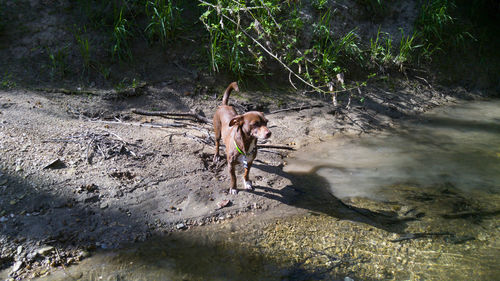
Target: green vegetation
x: 83, y: 47
x: 165, y: 21
x: 6, y: 81
x: 121, y: 35
x: 268, y: 37
x: 57, y: 62
x: 438, y: 30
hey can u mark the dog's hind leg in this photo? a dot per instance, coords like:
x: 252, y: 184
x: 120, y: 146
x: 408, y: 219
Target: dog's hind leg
x: 217, y: 130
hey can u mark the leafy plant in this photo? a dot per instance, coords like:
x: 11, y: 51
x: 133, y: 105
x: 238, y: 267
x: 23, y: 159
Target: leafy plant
x: 331, y: 56
x: 319, y: 4
x: 406, y: 49
x: 437, y: 29
x: 83, y: 47
x: 121, y: 35
x: 57, y: 61
x: 381, y: 49
x: 6, y: 82
x: 164, y: 20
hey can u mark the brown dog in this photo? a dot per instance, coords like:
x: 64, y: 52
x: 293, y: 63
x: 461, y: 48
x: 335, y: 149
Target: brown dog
x: 240, y: 134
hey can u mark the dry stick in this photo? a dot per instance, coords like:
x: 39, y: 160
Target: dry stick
x: 296, y: 108
x: 285, y: 147
x: 166, y: 114
x: 152, y: 125
x: 66, y: 91
x: 418, y: 77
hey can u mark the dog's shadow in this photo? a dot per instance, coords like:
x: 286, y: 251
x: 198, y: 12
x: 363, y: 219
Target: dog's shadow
x: 312, y: 192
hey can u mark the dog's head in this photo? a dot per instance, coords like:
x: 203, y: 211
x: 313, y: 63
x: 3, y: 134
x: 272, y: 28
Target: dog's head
x: 252, y: 124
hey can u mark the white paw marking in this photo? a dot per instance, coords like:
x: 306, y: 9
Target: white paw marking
x: 248, y: 185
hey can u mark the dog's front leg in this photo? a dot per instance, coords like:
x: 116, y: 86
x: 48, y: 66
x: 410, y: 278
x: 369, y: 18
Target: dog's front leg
x: 246, y: 180
x: 232, y: 173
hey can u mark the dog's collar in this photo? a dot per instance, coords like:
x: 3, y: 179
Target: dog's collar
x: 240, y: 151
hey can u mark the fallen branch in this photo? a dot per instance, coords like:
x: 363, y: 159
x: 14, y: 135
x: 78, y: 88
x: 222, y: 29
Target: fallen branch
x: 67, y: 91
x: 285, y: 147
x: 410, y: 236
x: 148, y: 125
x: 167, y: 114
x: 297, y: 108
x: 461, y: 215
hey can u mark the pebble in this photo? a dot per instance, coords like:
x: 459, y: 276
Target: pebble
x: 103, y: 205
x: 181, y: 226
x: 19, y: 250
x: 84, y: 254
x: 45, y: 250
x: 17, y: 265
x: 3, y: 219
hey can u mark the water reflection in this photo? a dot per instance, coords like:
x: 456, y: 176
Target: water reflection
x: 458, y: 145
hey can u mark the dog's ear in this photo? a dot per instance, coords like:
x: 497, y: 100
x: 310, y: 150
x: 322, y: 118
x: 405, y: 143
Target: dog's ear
x: 263, y: 118
x: 237, y: 120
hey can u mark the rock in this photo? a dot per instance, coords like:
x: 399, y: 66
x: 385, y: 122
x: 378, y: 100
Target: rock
x: 347, y: 278
x: 55, y: 164
x: 19, y: 168
x: 3, y: 219
x: 223, y: 204
x: 17, y: 265
x: 91, y: 199
x: 181, y: 226
x: 84, y: 254
x: 19, y: 250
x: 103, y: 205
x: 45, y: 250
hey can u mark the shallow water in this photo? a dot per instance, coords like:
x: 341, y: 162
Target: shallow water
x: 420, y: 203
x: 458, y: 145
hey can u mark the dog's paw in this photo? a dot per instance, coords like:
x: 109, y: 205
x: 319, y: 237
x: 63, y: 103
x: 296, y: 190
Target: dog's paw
x: 248, y: 185
x: 233, y: 191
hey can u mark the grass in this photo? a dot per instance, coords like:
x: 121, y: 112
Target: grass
x: 6, y: 82
x: 164, y: 21
x: 121, y: 34
x: 438, y: 30
x: 57, y: 61
x: 83, y: 47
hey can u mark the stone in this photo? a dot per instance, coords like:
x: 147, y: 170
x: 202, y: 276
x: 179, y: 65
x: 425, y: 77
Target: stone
x: 45, y: 250
x: 17, y: 265
x: 84, y: 254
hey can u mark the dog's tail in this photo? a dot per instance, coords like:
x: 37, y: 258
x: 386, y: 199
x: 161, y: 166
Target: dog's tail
x: 232, y: 86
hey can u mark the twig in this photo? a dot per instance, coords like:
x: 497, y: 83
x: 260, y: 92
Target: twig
x: 66, y: 91
x: 275, y: 146
x: 410, y: 236
x: 152, y: 125
x: 167, y: 114
x: 423, y: 79
x: 470, y: 214
x: 296, y: 108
